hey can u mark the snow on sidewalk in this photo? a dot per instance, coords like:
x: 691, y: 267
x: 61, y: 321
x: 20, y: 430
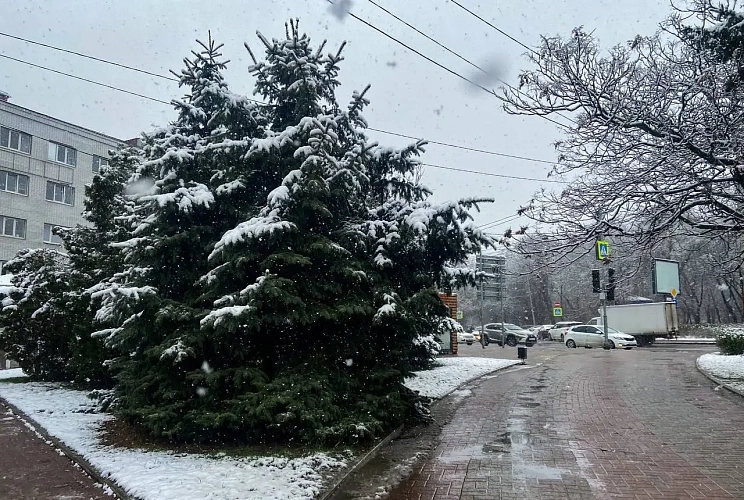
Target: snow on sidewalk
x: 157, y: 475
x: 729, y: 369
x: 70, y: 416
x: 442, y: 380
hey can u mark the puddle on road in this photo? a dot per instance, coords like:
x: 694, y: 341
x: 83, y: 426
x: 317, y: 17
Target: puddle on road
x: 514, y: 444
x: 465, y: 454
x: 536, y: 471
x: 529, y: 404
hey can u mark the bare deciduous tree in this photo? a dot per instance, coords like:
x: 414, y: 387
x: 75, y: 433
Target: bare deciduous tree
x: 656, y: 135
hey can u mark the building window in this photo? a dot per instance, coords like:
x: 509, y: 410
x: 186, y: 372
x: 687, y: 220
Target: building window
x: 13, y: 183
x: 62, y: 154
x: 14, y: 139
x: 99, y: 162
x: 60, y: 193
x: 12, y: 227
x: 49, y: 236
x: 2, y: 267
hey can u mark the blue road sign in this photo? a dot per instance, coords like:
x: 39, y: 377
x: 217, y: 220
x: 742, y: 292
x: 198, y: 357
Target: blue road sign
x: 603, y: 249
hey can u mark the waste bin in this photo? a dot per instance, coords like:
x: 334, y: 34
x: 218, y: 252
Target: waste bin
x: 522, y: 353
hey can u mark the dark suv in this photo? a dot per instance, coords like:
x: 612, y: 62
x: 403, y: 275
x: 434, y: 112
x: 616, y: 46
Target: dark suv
x: 512, y: 334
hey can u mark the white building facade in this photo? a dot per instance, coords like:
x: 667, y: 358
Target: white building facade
x: 45, y: 164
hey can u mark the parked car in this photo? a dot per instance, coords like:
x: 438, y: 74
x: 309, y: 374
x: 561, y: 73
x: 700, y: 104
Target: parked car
x: 476, y: 334
x: 541, y: 331
x: 464, y: 337
x: 593, y: 336
x: 512, y: 334
x: 559, y: 329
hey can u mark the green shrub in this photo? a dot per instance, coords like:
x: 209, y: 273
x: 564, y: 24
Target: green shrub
x: 731, y: 342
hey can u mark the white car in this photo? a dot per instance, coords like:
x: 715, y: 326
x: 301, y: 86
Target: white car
x: 465, y: 337
x: 560, y: 328
x: 593, y: 336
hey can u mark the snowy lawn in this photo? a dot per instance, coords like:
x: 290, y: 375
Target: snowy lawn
x: 156, y: 475
x: 70, y: 416
x: 727, y: 368
x: 12, y: 373
x: 442, y: 380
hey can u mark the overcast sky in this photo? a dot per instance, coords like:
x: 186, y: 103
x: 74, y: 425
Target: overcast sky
x: 409, y: 95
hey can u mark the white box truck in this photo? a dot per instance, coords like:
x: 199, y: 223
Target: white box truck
x: 645, y: 321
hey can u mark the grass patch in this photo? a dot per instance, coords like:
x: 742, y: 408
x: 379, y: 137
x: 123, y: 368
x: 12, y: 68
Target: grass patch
x: 118, y: 433
x: 15, y: 380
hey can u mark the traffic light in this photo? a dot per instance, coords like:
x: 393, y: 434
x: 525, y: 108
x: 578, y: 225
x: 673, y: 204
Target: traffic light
x: 596, y: 284
x: 610, y: 284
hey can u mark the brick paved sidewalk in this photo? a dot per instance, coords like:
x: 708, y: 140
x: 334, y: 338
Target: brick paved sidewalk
x: 31, y: 469
x: 590, y: 424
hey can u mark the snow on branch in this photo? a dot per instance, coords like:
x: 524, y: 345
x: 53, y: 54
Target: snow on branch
x: 255, y: 228
x: 184, y: 197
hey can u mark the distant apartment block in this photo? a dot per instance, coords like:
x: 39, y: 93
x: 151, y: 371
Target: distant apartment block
x: 45, y: 164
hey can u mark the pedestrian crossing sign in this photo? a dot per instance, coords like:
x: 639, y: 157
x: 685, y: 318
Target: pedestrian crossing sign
x: 557, y: 312
x: 603, y: 250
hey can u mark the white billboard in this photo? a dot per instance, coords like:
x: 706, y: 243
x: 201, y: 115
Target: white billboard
x: 666, y: 276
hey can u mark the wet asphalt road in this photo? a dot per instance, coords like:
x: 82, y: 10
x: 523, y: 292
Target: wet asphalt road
x: 586, y: 424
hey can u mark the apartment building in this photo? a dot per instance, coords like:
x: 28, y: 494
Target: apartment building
x: 45, y: 164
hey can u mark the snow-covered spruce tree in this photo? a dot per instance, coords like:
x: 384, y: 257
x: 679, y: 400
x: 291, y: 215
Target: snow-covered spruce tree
x: 35, y: 318
x: 280, y: 269
x: 93, y: 259
x: 325, y: 297
x: 48, y: 317
x: 190, y: 185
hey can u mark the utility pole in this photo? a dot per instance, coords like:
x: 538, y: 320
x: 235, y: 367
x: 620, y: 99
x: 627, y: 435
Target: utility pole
x: 481, y: 296
x: 482, y: 293
x: 502, y: 288
x: 741, y: 291
x: 603, y: 300
x: 532, y: 306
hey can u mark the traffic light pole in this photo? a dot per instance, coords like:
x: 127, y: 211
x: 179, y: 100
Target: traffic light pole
x: 503, y: 321
x: 481, y: 294
x: 603, y: 299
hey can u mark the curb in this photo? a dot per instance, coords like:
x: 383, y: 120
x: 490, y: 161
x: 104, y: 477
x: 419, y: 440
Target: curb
x: 684, y: 342
x: 359, y: 464
x: 69, y: 453
x: 717, y: 380
x: 328, y: 493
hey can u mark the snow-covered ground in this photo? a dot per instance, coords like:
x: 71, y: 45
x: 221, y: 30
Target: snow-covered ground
x: 455, y: 371
x: 69, y: 416
x: 729, y: 369
x: 156, y: 475
x: 12, y: 373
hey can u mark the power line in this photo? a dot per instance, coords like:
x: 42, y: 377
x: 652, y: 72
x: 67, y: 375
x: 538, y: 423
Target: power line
x: 442, y: 66
x: 494, y: 27
x: 427, y: 36
x: 505, y: 176
x: 514, y: 89
x: 132, y: 68
x: 84, y: 79
x: 497, y: 222
x: 465, y: 148
x: 140, y: 70
x: 451, y: 71
x: 166, y: 102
